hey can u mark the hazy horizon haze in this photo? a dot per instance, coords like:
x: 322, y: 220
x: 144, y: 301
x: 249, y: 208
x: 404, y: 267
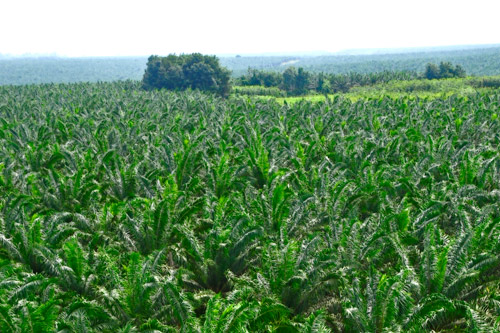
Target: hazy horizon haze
x: 127, y: 28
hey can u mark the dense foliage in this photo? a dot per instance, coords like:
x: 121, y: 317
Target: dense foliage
x: 297, y: 82
x: 125, y: 210
x: 259, y: 91
x: 461, y: 86
x: 445, y: 70
x: 193, y: 71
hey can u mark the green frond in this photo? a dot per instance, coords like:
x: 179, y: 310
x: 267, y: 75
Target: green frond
x: 6, y: 322
x: 315, y: 324
x: 182, y: 310
x: 11, y: 249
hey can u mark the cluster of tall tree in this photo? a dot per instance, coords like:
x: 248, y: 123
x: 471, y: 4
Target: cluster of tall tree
x: 445, y: 70
x: 180, y: 72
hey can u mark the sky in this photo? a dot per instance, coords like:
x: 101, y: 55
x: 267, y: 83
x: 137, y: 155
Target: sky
x: 144, y: 27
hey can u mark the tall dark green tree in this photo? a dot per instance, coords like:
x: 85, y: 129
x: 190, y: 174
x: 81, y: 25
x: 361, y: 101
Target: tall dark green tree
x: 323, y: 84
x: 431, y: 72
x: 302, y: 81
x: 290, y: 79
x: 296, y: 81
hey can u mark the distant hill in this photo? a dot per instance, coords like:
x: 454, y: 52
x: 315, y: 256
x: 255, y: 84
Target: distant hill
x: 381, y: 51
x: 476, y: 60
x: 278, y: 54
x: 64, y: 70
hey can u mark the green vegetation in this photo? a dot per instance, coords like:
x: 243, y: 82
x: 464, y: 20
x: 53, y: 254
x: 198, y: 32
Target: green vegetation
x: 361, y: 86
x: 298, y: 82
x: 258, y: 91
x: 444, y: 71
x: 460, y: 86
x: 204, y: 73
x: 193, y: 71
x: 127, y: 210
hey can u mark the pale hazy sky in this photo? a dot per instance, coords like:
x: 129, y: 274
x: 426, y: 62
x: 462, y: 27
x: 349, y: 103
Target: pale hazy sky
x: 144, y: 27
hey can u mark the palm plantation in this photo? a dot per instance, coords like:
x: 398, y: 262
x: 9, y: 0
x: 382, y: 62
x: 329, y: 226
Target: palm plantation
x: 125, y: 210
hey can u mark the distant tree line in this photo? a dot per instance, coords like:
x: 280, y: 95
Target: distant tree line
x: 197, y: 71
x: 296, y: 82
x: 193, y: 71
x: 479, y: 61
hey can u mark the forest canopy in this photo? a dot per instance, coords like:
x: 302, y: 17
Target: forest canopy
x: 180, y: 72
